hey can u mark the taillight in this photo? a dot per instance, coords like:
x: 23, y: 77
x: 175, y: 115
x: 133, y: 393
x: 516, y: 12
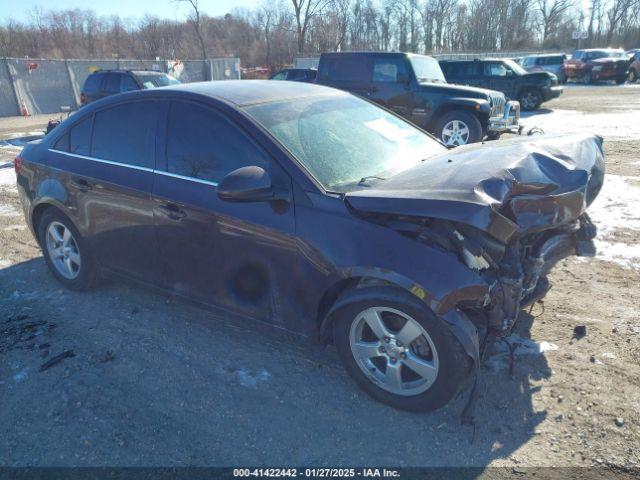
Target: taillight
x: 17, y: 164
x: 83, y: 98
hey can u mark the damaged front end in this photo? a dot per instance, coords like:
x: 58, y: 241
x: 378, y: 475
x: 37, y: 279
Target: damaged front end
x: 509, y: 213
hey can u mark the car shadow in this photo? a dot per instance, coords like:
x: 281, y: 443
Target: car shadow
x: 159, y: 381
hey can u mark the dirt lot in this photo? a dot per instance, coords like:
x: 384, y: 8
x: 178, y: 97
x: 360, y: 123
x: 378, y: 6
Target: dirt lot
x: 157, y: 381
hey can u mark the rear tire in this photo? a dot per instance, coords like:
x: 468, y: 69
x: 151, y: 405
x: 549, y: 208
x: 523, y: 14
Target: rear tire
x: 458, y: 128
x: 372, y: 356
x: 633, y: 76
x: 65, y: 251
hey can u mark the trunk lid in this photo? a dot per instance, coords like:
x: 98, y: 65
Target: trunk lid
x: 504, y: 188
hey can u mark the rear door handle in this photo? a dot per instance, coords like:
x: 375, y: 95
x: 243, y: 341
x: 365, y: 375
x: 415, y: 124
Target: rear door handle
x: 172, y: 211
x: 81, y: 184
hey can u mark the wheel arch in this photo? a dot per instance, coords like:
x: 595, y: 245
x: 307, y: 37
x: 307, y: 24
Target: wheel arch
x: 465, y: 105
x: 345, y: 290
x: 38, y: 210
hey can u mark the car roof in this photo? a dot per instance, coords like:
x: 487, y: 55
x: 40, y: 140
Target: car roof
x: 246, y: 92
x: 545, y: 55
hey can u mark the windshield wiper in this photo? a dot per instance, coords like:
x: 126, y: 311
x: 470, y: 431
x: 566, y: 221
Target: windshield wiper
x: 363, y: 180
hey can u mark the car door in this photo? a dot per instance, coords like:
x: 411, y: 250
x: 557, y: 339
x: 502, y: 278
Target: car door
x: 109, y: 157
x: 227, y: 254
x: 500, y: 77
x: 390, y: 84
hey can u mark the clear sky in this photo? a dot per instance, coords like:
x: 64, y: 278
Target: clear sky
x: 18, y: 9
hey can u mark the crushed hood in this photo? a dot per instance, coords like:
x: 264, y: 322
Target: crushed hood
x: 504, y: 188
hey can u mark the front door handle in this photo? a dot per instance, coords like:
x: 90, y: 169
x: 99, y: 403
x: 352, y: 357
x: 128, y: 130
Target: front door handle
x: 81, y: 184
x: 172, y: 211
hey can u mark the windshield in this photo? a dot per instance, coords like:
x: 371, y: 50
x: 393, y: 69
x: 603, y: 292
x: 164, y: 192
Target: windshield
x: 155, y: 81
x: 427, y: 69
x: 518, y: 70
x: 345, y: 142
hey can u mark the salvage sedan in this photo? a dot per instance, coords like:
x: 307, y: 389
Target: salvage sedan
x: 318, y: 212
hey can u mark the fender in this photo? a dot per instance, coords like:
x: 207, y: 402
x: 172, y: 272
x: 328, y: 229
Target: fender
x: 476, y: 106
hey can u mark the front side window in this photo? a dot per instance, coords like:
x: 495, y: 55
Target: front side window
x: 426, y: 69
x: 126, y: 134
x: 280, y: 76
x: 128, y: 84
x: 343, y: 141
x: 202, y: 144
x: 390, y: 70
x: 495, y: 70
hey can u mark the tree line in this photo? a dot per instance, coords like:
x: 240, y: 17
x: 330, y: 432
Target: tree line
x: 276, y: 31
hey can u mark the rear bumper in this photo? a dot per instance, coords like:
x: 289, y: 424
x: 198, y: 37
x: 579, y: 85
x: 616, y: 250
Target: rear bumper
x: 508, y: 122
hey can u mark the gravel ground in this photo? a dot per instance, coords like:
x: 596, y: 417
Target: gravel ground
x: 159, y: 381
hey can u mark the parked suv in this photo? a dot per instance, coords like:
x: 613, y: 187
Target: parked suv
x: 103, y: 83
x: 506, y: 76
x: 413, y: 86
x: 634, y: 68
x: 552, y: 63
x: 592, y: 65
x: 318, y: 212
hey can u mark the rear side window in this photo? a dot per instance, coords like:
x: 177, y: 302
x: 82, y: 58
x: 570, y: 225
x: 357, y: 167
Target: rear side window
x: 558, y: 60
x: 203, y: 144
x: 459, y: 69
x: 388, y: 69
x: 92, y: 84
x: 126, y: 134
x: 112, y: 84
x: 80, y: 136
x: 346, y: 69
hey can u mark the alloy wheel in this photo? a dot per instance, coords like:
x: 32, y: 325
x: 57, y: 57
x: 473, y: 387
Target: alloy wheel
x: 455, y: 133
x: 63, y: 250
x: 394, y: 351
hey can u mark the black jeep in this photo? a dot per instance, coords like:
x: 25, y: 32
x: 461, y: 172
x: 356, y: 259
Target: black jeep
x: 414, y: 87
x: 506, y: 76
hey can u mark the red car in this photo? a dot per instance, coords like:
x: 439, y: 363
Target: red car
x: 593, y: 65
x: 634, y: 68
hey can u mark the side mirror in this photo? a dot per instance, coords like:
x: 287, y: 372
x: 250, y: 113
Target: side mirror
x: 246, y: 184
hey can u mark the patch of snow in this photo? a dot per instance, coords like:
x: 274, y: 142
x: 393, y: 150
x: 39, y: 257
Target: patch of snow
x: 8, y: 210
x: 621, y: 124
x: 617, y: 208
x: 249, y: 380
x: 524, y: 346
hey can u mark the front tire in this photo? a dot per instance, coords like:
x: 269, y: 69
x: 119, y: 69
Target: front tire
x: 458, y: 128
x: 65, y: 251
x: 633, y: 76
x: 530, y: 100
x: 397, y: 350
x: 621, y: 80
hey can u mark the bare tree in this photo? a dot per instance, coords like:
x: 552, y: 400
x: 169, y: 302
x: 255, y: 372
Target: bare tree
x: 195, y: 19
x: 304, y: 11
x: 551, y: 12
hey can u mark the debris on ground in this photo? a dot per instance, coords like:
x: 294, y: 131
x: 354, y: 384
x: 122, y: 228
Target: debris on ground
x: 57, y: 359
x: 579, y: 331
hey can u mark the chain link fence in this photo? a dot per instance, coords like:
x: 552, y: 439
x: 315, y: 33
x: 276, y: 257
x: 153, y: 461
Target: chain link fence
x: 44, y: 86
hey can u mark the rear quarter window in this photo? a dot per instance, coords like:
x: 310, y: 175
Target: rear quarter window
x: 92, y: 83
x: 80, y: 136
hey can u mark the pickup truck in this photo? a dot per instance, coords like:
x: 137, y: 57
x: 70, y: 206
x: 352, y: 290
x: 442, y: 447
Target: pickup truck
x: 414, y: 87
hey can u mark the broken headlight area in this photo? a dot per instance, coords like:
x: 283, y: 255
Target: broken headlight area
x: 516, y: 272
x: 521, y: 277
